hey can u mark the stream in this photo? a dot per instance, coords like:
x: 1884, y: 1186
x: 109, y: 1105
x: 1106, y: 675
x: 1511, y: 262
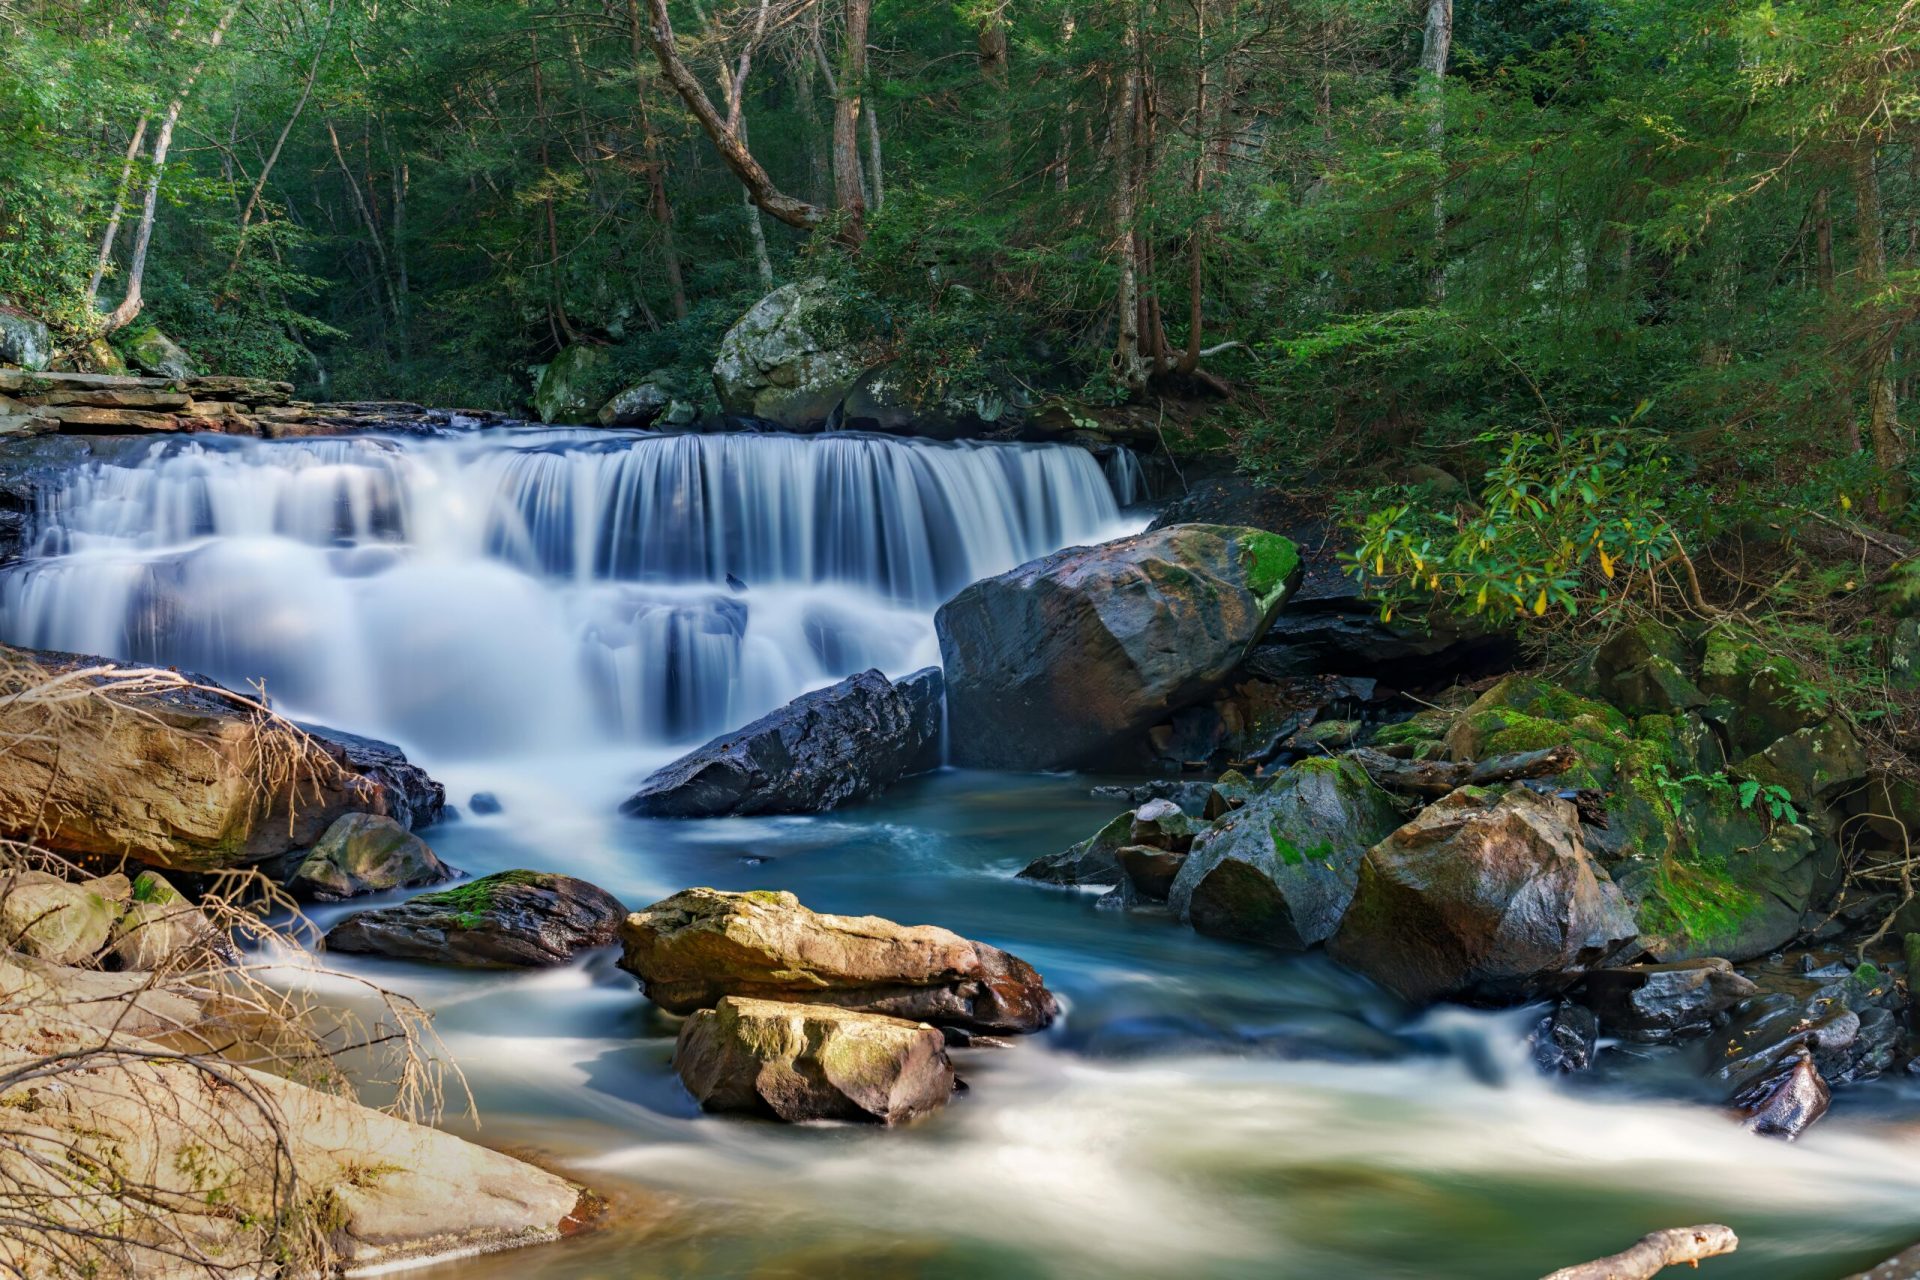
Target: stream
x: 547, y: 615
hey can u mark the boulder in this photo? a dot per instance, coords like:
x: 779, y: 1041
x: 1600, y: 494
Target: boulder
x: 1281, y: 870
x: 1813, y: 764
x: 1482, y: 897
x: 925, y: 693
x: 367, y: 853
x: 881, y: 400
x: 1068, y: 660
x: 56, y: 920
x: 188, y: 778
x: 636, y: 406
x: 1660, y: 1003
x: 1157, y: 826
x: 1755, y: 697
x: 564, y: 391
x: 160, y: 928
x: 1150, y: 871
x: 700, y: 945
x: 847, y: 742
x: 25, y: 342
x: 812, y: 1062
x: 792, y: 358
x: 152, y: 351
x: 512, y: 919
x: 1643, y: 669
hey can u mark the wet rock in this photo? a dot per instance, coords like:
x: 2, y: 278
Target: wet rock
x: 364, y: 853
x: 1095, y: 860
x: 1150, y: 871
x: 1192, y: 797
x: 512, y: 919
x: 1785, y: 1102
x: 792, y: 358
x: 700, y: 945
x: 925, y: 693
x: 1482, y: 897
x: 1068, y: 660
x: 160, y: 928
x: 812, y: 1062
x: 847, y: 742
x: 485, y: 803
x: 408, y: 795
x: 1659, y: 1003
x: 1563, y: 1040
x: 564, y: 390
x: 52, y: 919
x: 1281, y: 870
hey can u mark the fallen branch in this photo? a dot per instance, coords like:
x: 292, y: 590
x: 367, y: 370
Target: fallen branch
x: 1437, y: 777
x: 1656, y: 1252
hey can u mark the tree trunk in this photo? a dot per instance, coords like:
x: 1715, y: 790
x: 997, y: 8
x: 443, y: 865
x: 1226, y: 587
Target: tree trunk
x: 112, y: 233
x: 1130, y: 368
x: 1883, y: 425
x: 1655, y: 1253
x: 848, y: 199
x: 273, y: 157
x: 1435, y: 47
x: 874, y: 181
x: 660, y: 206
x: 123, y: 315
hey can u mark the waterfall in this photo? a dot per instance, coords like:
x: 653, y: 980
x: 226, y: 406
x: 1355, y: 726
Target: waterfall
x: 482, y: 594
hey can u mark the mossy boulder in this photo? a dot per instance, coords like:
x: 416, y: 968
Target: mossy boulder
x: 1814, y: 765
x: 567, y: 389
x: 701, y: 945
x: 57, y: 920
x: 799, y: 1062
x: 1644, y: 669
x: 1071, y: 659
x: 1755, y: 697
x: 160, y: 927
x: 1484, y: 897
x: 637, y: 406
x: 1281, y: 870
x: 153, y: 352
x: 367, y: 853
x: 793, y: 357
x: 25, y: 342
x: 512, y: 919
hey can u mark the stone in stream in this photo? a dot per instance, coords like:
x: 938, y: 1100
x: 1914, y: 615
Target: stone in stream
x: 812, y: 1062
x: 366, y: 853
x: 1660, y: 1003
x: 1281, y: 870
x: 1484, y: 897
x: 1069, y: 660
x: 1156, y: 825
x: 1563, y: 1041
x: 1785, y: 1102
x: 847, y: 742
x: 507, y: 920
x: 701, y: 945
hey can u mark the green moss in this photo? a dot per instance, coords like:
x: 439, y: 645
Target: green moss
x: 1696, y: 900
x: 1271, y: 562
x: 469, y: 903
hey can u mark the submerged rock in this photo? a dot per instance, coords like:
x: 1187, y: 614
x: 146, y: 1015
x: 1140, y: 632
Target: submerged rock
x: 812, y: 1062
x: 1069, y: 660
x: 1281, y: 870
x: 847, y: 742
x: 365, y: 853
x: 506, y: 920
x: 691, y: 950
x: 1482, y: 897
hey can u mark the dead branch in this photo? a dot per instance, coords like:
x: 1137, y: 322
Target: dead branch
x: 1656, y: 1252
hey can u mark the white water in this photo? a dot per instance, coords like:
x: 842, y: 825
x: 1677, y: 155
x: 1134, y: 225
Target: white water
x: 501, y: 594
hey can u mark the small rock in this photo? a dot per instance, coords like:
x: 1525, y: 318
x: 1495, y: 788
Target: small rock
x: 484, y: 802
x: 812, y: 1062
x: 1149, y: 870
x: 1787, y: 1100
x: 1659, y: 1003
x: 510, y: 919
x: 1563, y: 1041
x: 52, y: 919
x: 365, y: 853
x: 159, y: 928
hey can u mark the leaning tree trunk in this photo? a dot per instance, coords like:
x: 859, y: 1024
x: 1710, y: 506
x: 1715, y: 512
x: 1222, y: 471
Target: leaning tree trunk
x: 1654, y: 1253
x: 130, y: 305
x: 112, y: 233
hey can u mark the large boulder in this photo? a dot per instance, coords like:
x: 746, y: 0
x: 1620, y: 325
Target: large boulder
x: 1484, y: 897
x: 25, y: 342
x: 512, y: 919
x: 56, y: 920
x: 152, y: 351
x: 367, y: 853
x: 792, y: 358
x: 565, y: 390
x: 184, y: 775
x: 635, y: 406
x: 1281, y: 870
x: 1068, y: 660
x: 691, y: 950
x: 812, y: 1062
x: 847, y: 742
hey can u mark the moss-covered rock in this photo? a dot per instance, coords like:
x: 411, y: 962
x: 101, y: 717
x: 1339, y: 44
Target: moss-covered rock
x: 1755, y: 697
x: 56, y: 920
x: 153, y: 352
x: 510, y: 919
x: 793, y: 357
x: 160, y: 927
x: 1813, y: 765
x: 1281, y: 870
x: 567, y: 389
x: 799, y: 1062
x: 25, y: 342
x: 1644, y: 669
x: 367, y: 853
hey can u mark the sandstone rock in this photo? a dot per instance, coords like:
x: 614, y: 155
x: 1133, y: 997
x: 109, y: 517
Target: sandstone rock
x: 792, y: 358
x: 510, y: 919
x: 367, y: 853
x: 847, y: 742
x: 1069, y: 660
x: 1482, y: 897
x: 175, y: 775
x: 54, y: 920
x: 812, y: 1062
x: 700, y: 945
x: 160, y: 927
x: 1281, y: 870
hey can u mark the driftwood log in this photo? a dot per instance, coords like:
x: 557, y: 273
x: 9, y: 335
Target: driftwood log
x: 1655, y: 1253
x: 1437, y: 777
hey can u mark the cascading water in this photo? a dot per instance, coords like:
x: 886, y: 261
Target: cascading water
x: 488, y: 594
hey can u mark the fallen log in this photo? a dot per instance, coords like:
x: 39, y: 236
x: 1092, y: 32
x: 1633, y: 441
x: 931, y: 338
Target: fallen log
x: 1438, y: 777
x: 1656, y: 1252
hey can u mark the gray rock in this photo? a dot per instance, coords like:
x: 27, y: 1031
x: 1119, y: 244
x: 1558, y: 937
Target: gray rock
x: 792, y: 358
x: 512, y: 919
x: 1659, y: 1003
x: 365, y: 853
x: 636, y: 406
x: 25, y: 342
x: 1563, y: 1040
x: 152, y: 351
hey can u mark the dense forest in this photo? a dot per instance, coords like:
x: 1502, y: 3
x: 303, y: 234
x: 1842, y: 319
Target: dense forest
x: 1644, y: 258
